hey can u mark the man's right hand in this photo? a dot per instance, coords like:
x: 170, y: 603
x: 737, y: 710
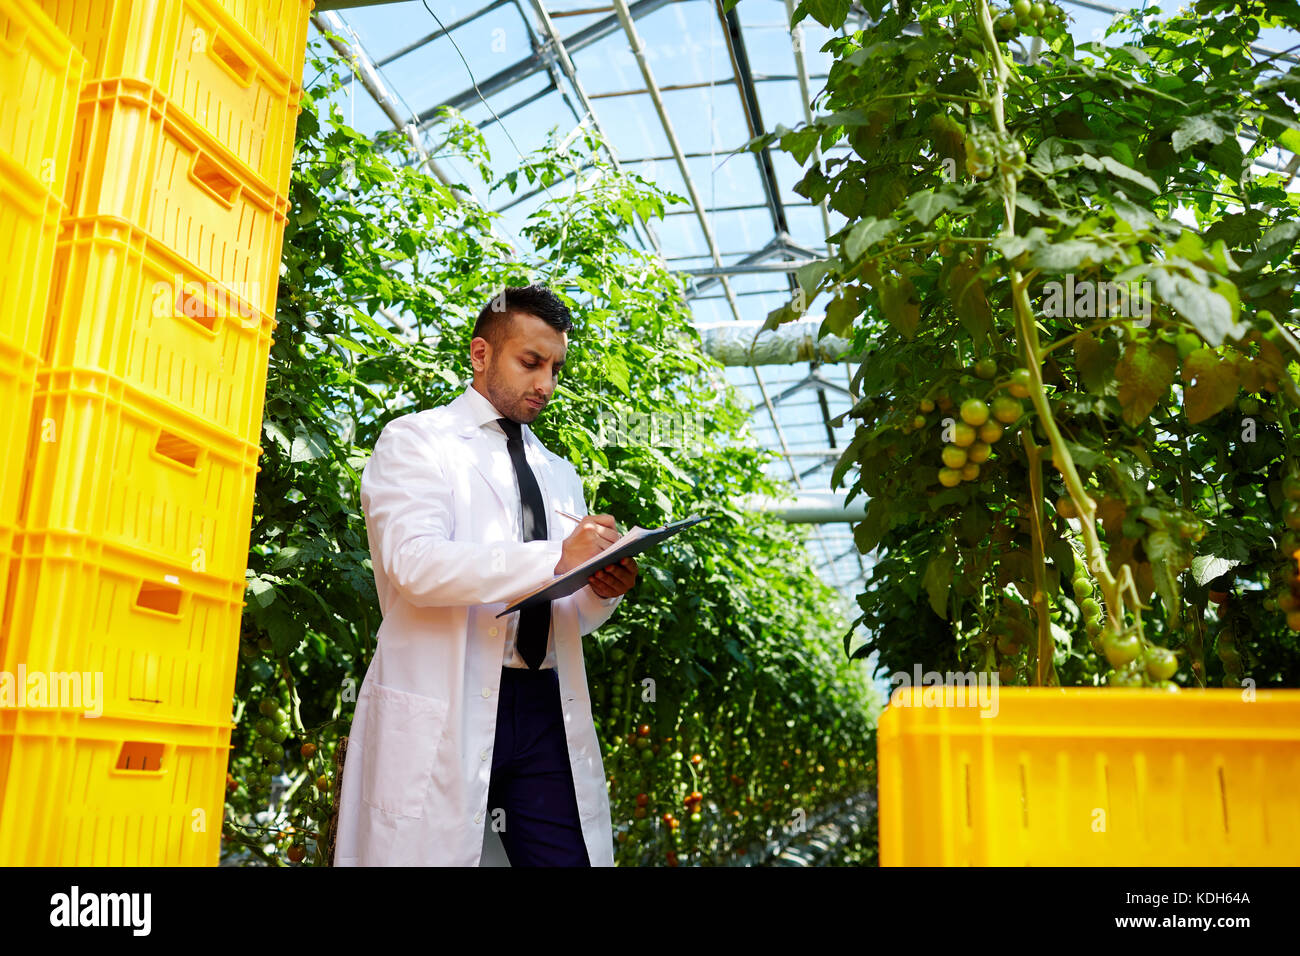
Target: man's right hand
x: 593, y: 535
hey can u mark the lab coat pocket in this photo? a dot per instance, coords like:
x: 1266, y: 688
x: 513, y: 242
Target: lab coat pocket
x: 403, y: 734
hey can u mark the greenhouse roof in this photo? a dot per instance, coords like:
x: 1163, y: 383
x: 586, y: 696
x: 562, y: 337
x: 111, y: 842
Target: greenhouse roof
x: 709, y: 81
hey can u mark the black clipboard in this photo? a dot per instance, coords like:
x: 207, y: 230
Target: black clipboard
x: 574, y: 580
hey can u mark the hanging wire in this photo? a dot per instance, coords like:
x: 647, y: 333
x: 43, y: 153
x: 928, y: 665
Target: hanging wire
x: 518, y: 152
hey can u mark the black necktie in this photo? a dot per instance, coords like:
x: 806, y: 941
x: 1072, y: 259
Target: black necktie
x: 535, y: 621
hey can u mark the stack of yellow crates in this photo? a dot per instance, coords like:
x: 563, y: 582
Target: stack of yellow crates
x: 129, y: 547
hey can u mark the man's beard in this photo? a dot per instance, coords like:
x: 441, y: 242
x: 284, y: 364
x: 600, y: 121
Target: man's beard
x: 512, y: 406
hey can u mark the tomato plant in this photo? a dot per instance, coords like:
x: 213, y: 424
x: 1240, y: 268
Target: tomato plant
x: 1105, y: 236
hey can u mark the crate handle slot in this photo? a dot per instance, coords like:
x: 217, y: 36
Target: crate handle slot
x: 13, y: 37
x: 141, y: 756
x: 214, y: 180
x: 205, y: 315
x: 178, y: 450
x: 229, y: 57
x: 163, y: 598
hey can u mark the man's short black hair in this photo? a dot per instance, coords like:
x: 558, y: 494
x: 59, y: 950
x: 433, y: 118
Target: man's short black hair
x: 535, y: 300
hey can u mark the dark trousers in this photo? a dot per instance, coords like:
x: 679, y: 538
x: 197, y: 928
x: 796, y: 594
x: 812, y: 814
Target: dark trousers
x: 531, y: 779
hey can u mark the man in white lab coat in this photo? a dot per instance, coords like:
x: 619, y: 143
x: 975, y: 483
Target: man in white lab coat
x: 462, y: 510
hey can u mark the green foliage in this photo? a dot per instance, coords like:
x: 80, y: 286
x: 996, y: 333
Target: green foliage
x: 1001, y: 211
x: 732, y: 625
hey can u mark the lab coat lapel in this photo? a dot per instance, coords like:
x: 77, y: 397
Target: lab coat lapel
x: 493, y: 463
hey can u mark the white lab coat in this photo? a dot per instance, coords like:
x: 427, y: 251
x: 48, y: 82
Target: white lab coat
x: 419, y: 758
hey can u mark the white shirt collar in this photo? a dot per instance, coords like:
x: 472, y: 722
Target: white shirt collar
x: 482, y: 411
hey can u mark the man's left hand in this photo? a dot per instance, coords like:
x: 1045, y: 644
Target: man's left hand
x: 614, y: 579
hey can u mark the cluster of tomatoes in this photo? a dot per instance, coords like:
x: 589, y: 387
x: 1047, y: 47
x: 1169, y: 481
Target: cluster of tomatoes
x: 969, y: 442
x: 270, y: 730
x: 1027, y: 15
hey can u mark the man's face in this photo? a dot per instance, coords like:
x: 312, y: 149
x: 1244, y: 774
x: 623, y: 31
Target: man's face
x: 520, y: 376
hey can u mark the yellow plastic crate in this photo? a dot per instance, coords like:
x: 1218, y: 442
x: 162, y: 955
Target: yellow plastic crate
x: 29, y: 224
x: 1090, y: 777
x: 205, y: 63
x: 40, y: 76
x: 139, y: 160
x: 125, y: 304
x: 78, y: 791
x: 165, y: 638
x: 107, y: 461
x: 278, y: 26
x: 29, y: 218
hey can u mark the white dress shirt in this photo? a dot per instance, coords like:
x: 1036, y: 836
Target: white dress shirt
x: 486, y: 414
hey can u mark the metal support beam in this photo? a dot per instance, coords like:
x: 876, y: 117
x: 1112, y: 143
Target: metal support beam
x: 745, y: 345
x: 746, y: 268
x: 810, y: 506
x: 535, y: 61
x: 430, y: 37
x: 638, y: 50
x: 796, y: 38
x: 560, y: 54
x: 348, y: 45
x: 735, y: 39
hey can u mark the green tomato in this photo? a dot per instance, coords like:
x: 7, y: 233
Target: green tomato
x: 1161, y: 663
x: 1021, y: 8
x: 1006, y: 409
x: 1121, y: 649
x: 974, y: 412
x: 985, y: 368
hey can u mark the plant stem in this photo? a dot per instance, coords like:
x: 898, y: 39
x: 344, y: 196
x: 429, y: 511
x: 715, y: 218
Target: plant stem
x: 1027, y: 334
x: 1043, y: 659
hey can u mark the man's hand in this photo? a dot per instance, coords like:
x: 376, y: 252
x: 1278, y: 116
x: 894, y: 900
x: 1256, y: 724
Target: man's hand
x: 614, y: 579
x: 593, y: 535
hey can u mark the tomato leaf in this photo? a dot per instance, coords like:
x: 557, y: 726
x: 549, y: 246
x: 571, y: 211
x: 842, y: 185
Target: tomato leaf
x: 896, y: 301
x: 928, y: 204
x: 1168, y: 559
x: 1212, y: 384
x: 937, y: 580
x: 864, y: 234
x: 1213, y: 315
x: 1145, y: 374
x: 840, y: 313
x: 868, y: 532
x: 1196, y: 129
x: 1095, y: 362
x: 969, y: 301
